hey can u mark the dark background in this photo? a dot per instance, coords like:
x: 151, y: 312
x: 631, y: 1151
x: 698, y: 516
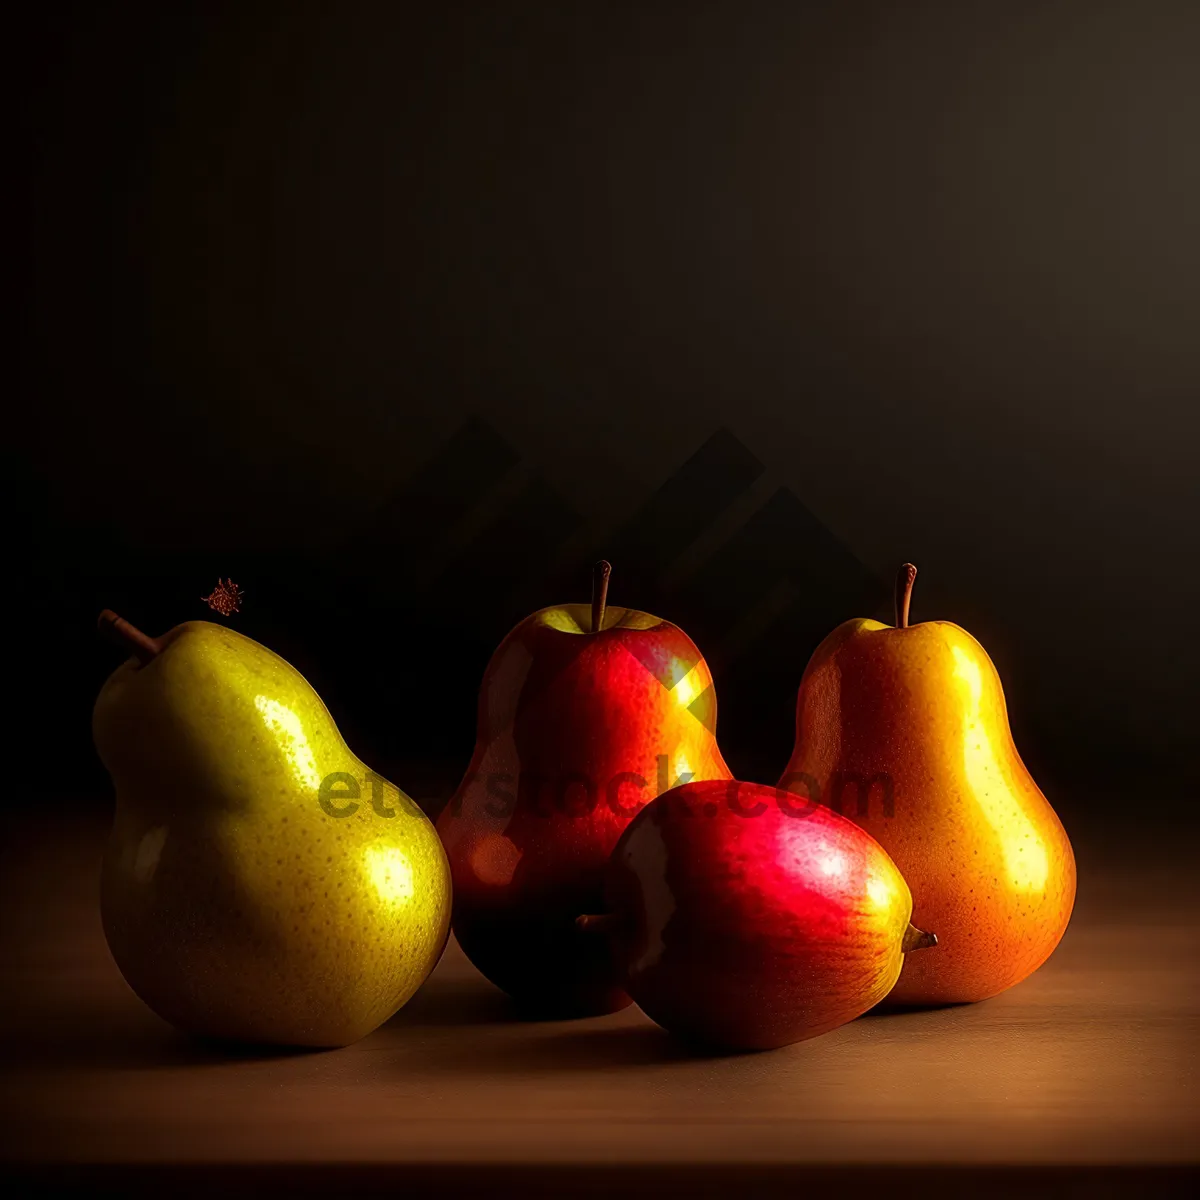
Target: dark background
x: 400, y: 315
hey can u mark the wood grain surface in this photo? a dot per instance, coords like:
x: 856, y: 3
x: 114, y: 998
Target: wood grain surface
x: 1083, y: 1075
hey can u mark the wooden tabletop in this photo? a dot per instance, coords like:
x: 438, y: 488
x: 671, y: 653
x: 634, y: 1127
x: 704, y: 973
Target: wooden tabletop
x: 1087, y: 1069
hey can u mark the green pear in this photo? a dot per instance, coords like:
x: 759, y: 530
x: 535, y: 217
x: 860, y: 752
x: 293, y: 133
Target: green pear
x: 260, y: 883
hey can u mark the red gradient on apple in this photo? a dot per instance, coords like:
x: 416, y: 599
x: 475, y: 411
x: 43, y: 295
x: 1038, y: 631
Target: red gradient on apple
x: 746, y: 918
x: 578, y: 731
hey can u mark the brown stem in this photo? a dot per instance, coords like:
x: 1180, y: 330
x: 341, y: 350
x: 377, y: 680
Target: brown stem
x: 600, y: 574
x: 120, y: 631
x: 917, y: 939
x: 905, y: 578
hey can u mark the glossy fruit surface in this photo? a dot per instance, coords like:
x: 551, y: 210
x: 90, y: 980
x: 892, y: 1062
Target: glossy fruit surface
x: 748, y: 919
x: 260, y: 882
x: 577, y: 731
x: 905, y: 730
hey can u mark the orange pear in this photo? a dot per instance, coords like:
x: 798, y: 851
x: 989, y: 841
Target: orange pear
x: 905, y: 730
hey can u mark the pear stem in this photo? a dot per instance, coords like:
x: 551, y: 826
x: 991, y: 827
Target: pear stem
x: 600, y: 574
x: 119, y: 630
x: 905, y: 578
x: 917, y: 939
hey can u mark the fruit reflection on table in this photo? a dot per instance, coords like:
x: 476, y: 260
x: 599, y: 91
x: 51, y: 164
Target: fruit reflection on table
x: 263, y: 884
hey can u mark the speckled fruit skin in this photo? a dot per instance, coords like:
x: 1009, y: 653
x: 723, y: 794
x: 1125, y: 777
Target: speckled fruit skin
x: 988, y: 862
x: 234, y: 904
x: 748, y: 919
x: 577, y: 732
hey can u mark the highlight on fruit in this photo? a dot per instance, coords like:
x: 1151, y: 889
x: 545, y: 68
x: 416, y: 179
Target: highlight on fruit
x: 597, y: 852
x: 988, y: 861
x: 749, y: 935
x: 574, y: 795
x: 224, y: 928
x: 587, y: 711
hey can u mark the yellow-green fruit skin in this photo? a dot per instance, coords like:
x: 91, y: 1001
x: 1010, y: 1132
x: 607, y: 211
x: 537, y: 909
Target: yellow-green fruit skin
x: 240, y: 900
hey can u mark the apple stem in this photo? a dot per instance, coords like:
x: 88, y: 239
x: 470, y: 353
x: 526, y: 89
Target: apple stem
x: 600, y: 574
x: 119, y: 630
x: 602, y: 922
x: 905, y: 578
x: 917, y: 939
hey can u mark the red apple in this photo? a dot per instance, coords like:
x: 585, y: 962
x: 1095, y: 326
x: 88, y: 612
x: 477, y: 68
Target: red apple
x: 748, y: 918
x: 585, y: 715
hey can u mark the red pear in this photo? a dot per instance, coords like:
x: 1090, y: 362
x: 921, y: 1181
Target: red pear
x: 586, y: 713
x: 747, y: 918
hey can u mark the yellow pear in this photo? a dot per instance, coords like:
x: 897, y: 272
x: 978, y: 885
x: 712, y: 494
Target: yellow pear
x: 260, y: 883
x: 905, y: 730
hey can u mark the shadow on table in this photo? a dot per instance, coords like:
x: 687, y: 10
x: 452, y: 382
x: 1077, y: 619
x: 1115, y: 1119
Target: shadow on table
x: 120, y: 1039
x: 518, y: 1040
x: 472, y: 1002
x: 583, y: 1046
x: 442, y: 1003
x: 886, y: 1009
